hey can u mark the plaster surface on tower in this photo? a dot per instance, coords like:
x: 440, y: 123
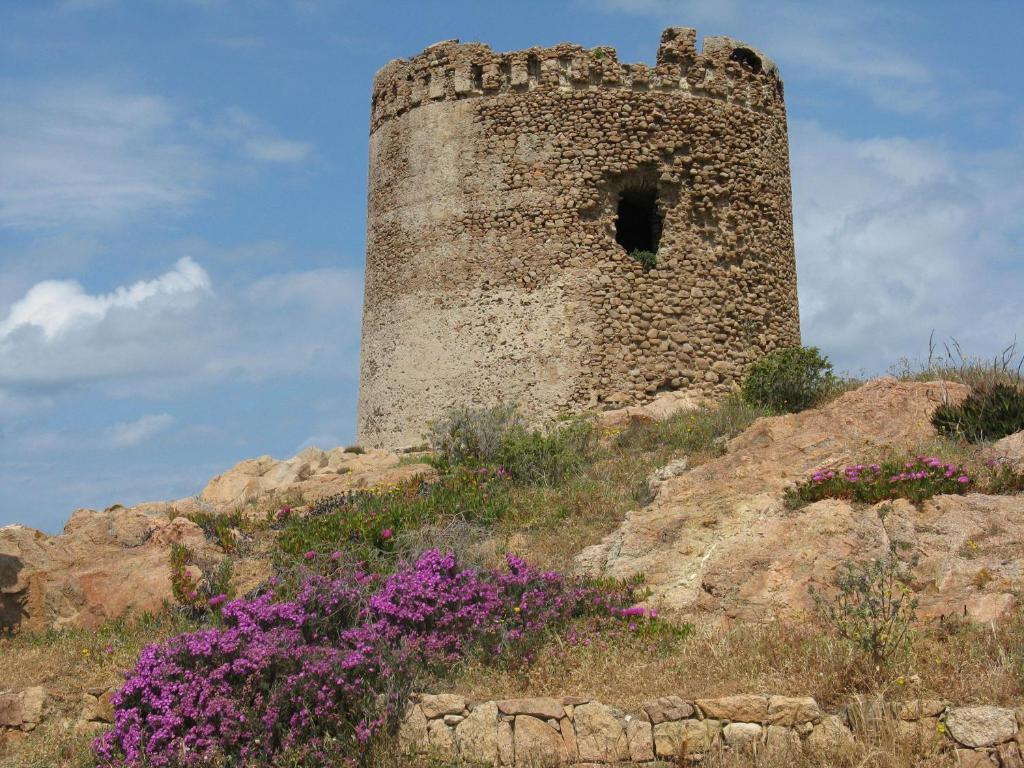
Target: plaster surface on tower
x: 493, y: 270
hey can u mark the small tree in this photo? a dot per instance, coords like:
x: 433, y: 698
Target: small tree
x: 874, y: 607
x: 789, y: 380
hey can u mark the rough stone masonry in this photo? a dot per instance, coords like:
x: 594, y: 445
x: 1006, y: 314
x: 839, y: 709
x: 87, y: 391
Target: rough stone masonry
x: 509, y: 197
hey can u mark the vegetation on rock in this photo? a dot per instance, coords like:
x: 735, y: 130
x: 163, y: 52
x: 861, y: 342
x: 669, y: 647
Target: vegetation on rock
x: 789, y: 380
x: 988, y: 413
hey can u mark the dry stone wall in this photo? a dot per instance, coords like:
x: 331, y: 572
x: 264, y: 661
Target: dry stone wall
x: 780, y: 730
x: 506, y: 192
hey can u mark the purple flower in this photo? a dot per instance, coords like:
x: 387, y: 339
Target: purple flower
x: 386, y: 534
x: 963, y: 479
x: 310, y: 555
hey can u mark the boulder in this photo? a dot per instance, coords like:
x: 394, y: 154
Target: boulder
x: 831, y: 738
x: 1010, y: 448
x: 787, y: 710
x: 781, y: 746
x: 662, y: 407
x: 685, y: 737
x: 440, y: 741
x: 717, y: 540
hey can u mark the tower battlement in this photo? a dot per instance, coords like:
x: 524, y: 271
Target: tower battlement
x: 724, y: 69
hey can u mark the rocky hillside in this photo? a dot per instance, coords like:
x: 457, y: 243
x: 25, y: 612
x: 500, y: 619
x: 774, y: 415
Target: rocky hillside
x: 690, y: 503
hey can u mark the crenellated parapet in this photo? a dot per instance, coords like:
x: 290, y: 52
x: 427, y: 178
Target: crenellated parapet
x: 724, y: 69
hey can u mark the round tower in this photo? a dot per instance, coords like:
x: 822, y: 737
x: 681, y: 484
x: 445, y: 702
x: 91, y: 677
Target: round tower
x: 553, y: 228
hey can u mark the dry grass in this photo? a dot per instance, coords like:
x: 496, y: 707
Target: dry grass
x: 951, y: 363
x: 962, y: 664
x: 68, y: 663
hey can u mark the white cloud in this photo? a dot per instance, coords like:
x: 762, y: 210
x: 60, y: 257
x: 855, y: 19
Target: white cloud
x: 131, y: 433
x: 898, y: 237
x: 88, y: 155
x: 156, y: 336
x: 258, y: 140
x: 55, y: 306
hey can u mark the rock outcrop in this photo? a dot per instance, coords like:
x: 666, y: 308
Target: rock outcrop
x: 103, y: 565
x: 309, y: 476
x: 718, y: 540
x: 116, y: 562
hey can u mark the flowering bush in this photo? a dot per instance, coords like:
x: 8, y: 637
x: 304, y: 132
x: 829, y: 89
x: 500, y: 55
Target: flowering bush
x: 314, y: 678
x: 916, y: 480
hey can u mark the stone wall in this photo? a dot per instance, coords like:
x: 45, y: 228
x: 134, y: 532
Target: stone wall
x: 543, y: 732
x: 493, y: 270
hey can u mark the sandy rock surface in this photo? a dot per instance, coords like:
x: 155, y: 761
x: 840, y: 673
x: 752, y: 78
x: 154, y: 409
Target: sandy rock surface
x: 103, y: 565
x: 718, y: 540
x: 311, y: 475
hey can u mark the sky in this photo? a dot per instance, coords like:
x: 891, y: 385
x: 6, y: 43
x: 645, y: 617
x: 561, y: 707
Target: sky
x: 183, y: 200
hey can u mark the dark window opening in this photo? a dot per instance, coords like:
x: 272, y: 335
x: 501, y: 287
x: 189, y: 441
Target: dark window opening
x: 748, y: 59
x: 638, y: 225
x: 477, y: 73
x: 533, y: 67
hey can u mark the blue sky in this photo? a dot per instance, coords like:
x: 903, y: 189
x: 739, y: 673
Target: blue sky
x: 182, y: 203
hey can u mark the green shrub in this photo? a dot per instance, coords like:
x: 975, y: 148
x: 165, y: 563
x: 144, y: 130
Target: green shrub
x: 369, y: 526
x: 705, y: 430
x: 496, y: 437
x: 988, y: 413
x: 220, y: 528
x: 648, y: 259
x: 548, y: 458
x: 473, y: 435
x: 789, y: 380
x: 874, y: 607
x: 917, y: 479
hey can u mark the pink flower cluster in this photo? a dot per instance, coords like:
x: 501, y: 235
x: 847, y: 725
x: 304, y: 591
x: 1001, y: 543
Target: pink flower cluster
x: 930, y: 467
x: 307, y: 681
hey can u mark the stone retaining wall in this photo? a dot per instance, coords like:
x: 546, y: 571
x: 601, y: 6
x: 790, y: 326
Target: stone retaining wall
x: 573, y: 731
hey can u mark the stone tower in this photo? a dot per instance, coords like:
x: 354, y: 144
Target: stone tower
x: 513, y: 198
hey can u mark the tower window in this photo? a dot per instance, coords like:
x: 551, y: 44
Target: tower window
x: 638, y: 224
x: 747, y: 58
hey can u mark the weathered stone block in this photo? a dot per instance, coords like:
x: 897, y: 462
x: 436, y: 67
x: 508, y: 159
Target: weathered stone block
x: 640, y: 735
x: 981, y: 726
x: 477, y: 735
x: 600, y: 734
x: 537, y: 744
x: 441, y: 704
x: 743, y: 708
x: 542, y: 707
